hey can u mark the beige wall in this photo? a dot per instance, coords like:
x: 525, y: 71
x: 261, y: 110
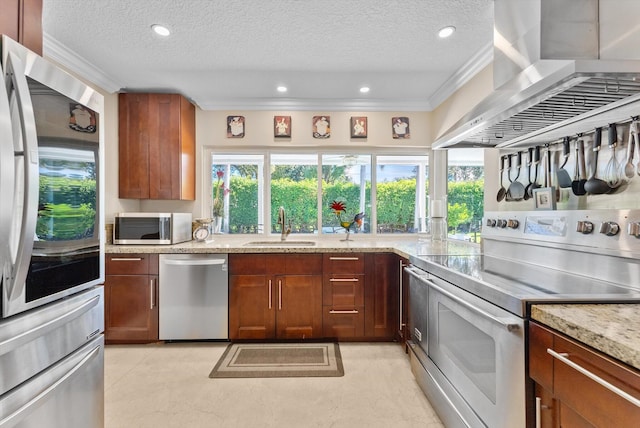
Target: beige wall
x: 463, y: 100
x: 211, y: 131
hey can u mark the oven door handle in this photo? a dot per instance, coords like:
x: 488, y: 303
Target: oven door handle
x: 509, y: 326
x: 416, y: 273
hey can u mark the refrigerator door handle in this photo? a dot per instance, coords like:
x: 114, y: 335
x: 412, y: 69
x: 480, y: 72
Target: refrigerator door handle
x: 7, y: 174
x: 21, y: 256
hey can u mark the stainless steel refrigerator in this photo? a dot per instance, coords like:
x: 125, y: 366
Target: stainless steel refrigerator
x: 51, y: 245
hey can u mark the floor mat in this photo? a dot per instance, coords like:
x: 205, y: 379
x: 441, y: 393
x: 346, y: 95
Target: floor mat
x: 279, y: 360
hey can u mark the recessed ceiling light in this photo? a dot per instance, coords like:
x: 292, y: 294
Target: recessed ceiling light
x: 281, y: 89
x: 365, y: 89
x: 446, y: 31
x: 160, y: 30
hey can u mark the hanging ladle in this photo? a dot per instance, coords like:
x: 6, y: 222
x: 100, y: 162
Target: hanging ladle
x: 536, y: 162
x: 594, y: 185
x: 530, y: 166
x: 516, y: 189
x: 629, y: 168
x: 502, y: 192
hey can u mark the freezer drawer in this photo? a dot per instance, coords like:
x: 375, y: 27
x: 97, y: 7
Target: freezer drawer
x: 69, y: 394
x: 193, y: 297
x: 32, y: 341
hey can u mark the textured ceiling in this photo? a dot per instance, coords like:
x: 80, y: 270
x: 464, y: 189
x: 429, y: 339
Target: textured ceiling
x: 226, y: 55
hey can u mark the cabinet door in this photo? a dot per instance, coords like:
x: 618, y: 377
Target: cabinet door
x: 381, y: 295
x: 131, y: 313
x: 157, y: 146
x: 251, y: 307
x: 164, y: 147
x: 133, y: 156
x: 299, y: 306
x: 546, y: 408
x: 21, y: 20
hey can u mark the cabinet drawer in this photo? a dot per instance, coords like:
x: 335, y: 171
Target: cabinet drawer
x: 343, y: 291
x: 347, y: 323
x: 131, y: 264
x: 352, y: 263
x: 593, y: 401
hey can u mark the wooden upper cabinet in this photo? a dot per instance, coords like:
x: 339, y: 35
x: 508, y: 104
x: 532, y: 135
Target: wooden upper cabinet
x: 156, y: 146
x: 22, y: 21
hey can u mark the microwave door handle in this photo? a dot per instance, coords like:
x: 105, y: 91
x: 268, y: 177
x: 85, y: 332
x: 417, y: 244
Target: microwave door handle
x: 18, y: 82
x: 7, y: 174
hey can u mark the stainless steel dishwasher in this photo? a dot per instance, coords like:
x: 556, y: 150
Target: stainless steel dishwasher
x: 193, y: 297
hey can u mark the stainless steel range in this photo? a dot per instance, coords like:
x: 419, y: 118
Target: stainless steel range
x: 469, y: 312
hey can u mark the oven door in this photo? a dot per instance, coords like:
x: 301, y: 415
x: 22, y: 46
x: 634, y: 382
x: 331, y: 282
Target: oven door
x: 480, y: 350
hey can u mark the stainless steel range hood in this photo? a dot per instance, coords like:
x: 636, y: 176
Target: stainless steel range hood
x: 560, y: 68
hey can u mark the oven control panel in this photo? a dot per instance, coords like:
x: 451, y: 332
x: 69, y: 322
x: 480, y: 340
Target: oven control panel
x: 616, y: 230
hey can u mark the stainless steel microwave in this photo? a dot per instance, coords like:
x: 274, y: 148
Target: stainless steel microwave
x: 152, y: 228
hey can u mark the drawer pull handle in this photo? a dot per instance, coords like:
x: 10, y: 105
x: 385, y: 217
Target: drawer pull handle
x: 152, y: 293
x: 343, y: 312
x: 563, y: 357
x: 343, y: 280
x: 270, y: 294
x: 343, y: 258
x: 126, y: 259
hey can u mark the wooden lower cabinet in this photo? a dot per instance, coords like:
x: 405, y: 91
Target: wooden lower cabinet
x: 568, y: 398
x: 309, y: 296
x: 382, y: 296
x: 131, y: 296
x: 275, y: 296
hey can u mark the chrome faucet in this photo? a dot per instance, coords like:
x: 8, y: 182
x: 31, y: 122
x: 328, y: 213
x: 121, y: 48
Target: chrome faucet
x: 284, y: 230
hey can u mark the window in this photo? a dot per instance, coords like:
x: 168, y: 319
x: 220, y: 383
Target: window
x: 401, y: 193
x: 465, y: 193
x: 243, y: 206
x: 306, y: 184
x: 347, y: 179
x: 294, y: 186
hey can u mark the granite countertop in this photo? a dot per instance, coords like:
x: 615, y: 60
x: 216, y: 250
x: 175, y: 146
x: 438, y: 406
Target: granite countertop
x: 403, y: 246
x: 609, y: 328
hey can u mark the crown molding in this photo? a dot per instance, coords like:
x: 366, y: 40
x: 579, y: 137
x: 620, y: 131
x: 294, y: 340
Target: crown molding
x: 335, y: 104
x: 61, y: 54
x: 465, y: 73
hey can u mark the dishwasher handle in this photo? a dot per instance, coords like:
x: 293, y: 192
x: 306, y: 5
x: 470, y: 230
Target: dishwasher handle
x: 194, y: 262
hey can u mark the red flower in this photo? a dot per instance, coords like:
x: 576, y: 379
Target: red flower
x: 338, y: 206
x: 220, y: 174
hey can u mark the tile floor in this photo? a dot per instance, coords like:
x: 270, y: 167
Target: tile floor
x: 167, y: 385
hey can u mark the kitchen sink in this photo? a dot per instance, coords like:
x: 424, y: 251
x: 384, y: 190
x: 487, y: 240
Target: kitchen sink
x: 280, y: 244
